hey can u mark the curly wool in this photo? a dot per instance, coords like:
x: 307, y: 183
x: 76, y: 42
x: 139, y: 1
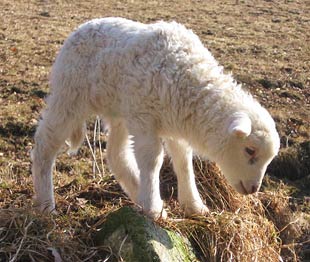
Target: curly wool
x: 151, y: 82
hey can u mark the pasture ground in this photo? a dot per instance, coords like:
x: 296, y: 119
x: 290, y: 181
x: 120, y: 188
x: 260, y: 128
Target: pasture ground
x: 265, y: 44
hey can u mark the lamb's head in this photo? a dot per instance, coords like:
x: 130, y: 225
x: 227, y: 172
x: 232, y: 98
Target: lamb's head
x: 251, y: 143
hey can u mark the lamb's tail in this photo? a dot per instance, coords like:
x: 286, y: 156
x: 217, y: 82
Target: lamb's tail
x: 77, y: 137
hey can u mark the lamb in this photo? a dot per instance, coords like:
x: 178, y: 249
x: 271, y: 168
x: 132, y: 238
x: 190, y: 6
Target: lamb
x: 155, y: 85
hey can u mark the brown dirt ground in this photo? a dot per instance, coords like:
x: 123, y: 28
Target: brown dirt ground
x: 265, y: 44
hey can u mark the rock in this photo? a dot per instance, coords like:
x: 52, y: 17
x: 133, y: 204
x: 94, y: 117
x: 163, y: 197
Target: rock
x: 46, y: 14
x: 267, y: 83
x: 135, y: 238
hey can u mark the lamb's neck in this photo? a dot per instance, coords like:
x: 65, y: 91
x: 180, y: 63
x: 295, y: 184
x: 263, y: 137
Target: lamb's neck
x: 202, y: 120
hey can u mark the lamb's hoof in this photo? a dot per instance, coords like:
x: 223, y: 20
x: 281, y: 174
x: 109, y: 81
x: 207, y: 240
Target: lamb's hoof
x: 195, y: 209
x: 45, y: 208
x: 153, y: 214
x: 156, y: 215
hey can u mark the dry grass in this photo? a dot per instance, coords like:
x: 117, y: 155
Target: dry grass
x: 239, y: 228
x: 265, y: 45
x: 26, y: 236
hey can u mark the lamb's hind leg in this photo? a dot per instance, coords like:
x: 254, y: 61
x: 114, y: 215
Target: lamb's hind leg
x: 121, y: 158
x: 55, y: 127
x: 188, y: 194
x: 149, y: 156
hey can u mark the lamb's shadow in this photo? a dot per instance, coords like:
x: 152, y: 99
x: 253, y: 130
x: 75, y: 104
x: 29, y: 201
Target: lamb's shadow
x: 292, y: 165
x: 16, y: 130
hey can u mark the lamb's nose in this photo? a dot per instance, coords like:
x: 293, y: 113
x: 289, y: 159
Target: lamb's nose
x: 254, y: 189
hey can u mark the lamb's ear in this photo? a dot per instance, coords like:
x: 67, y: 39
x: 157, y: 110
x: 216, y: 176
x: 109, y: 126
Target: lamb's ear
x: 240, y: 125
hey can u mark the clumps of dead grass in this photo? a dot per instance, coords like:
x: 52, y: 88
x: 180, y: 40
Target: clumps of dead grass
x: 26, y: 236
x: 292, y: 225
x: 231, y: 236
x: 259, y: 227
x: 239, y: 228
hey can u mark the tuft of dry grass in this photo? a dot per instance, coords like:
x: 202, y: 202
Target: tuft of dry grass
x: 260, y: 227
x: 26, y: 236
x: 230, y: 236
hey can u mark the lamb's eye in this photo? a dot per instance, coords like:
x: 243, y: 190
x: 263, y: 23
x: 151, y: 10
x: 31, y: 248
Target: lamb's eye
x: 250, y: 151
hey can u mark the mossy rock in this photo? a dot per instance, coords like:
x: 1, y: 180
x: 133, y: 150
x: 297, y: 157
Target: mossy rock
x: 135, y: 238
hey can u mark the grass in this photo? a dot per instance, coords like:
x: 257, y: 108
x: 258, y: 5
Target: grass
x: 242, y: 228
x: 264, y: 44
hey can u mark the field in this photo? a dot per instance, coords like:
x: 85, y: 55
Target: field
x: 264, y: 44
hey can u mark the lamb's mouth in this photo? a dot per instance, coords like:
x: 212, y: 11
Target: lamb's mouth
x: 243, y: 189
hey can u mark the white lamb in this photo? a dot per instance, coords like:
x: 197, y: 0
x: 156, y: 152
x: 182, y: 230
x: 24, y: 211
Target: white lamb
x: 152, y: 83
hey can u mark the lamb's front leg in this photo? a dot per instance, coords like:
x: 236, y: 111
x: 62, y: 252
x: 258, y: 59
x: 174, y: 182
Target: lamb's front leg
x: 188, y: 194
x: 149, y: 155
